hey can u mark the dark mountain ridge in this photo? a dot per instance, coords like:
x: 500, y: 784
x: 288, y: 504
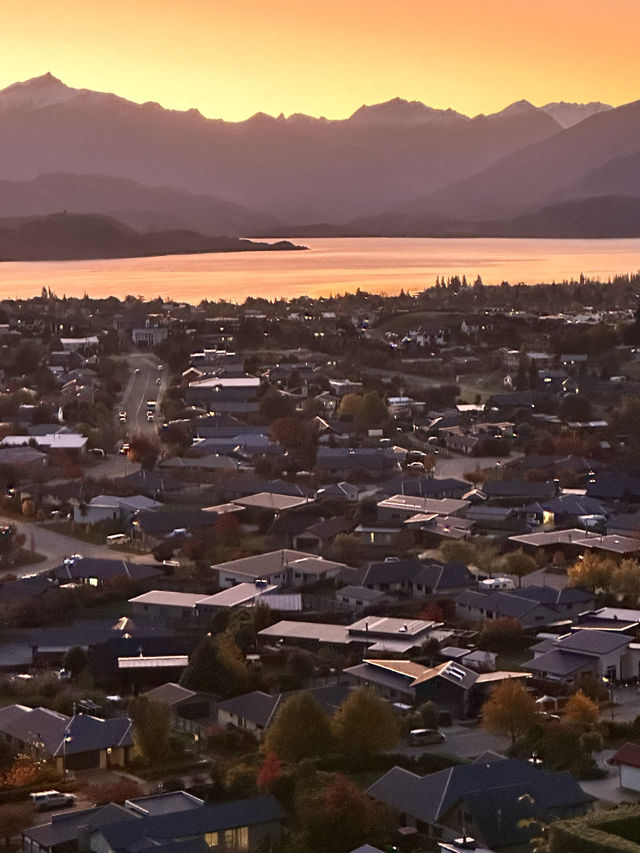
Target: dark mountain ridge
x: 71, y: 236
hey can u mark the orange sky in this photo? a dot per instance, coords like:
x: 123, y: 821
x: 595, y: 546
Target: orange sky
x: 231, y: 58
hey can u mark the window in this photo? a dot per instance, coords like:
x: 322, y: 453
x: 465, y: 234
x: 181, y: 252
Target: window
x: 237, y: 838
x: 211, y: 839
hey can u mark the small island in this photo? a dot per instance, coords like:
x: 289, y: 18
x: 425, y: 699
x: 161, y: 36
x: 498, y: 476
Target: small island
x: 73, y: 236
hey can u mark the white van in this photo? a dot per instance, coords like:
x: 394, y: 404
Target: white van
x: 45, y: 800
x: 117, y: 539
x: 423, y: 737
x: 497, y: 583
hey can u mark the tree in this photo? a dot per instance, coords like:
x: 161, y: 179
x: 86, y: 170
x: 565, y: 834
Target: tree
x: 364, y: 723
x: 228, y: 530
x: 152, y: 726
x: 501, y: 635
x: 301, y: 729
x: 581, y: 710
x: 519, y: 564
x: 341, y: 817
x: 346, y: 548
x: 217, y: 666
x: 626, y: 580
x: 457, y: 551
x: 144, y: 450
x: 270, y: 772
x: 592, y: 572
x: 509, y: 710
x: 14, y: 817
x: 75, y: 660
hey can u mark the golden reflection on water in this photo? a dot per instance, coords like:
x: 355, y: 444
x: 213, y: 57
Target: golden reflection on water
x: 381, y: 265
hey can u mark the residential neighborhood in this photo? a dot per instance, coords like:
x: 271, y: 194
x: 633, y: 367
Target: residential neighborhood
x: 271, y: 569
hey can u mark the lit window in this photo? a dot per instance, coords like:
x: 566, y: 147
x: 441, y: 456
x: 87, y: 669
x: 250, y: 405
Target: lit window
x: 211, y: 839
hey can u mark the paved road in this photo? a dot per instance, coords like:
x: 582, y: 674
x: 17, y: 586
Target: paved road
x: 463, y: 741
x: 141, y: 388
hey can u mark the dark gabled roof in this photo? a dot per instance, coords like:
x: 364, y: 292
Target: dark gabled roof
x: 558, y: 662
x: 518, y: 489
x: 499, y: 602
x: 133, y: 833
x: 511, y: 400
x: 152, y: 481
x: 105, y: 569
x: 292, y: 523
x: 568, y: 505
x: 256, y: 706
x: 430, y: 798
x: 426, y: 487
x: 66, y: 827
x: 157, y: 522
x: 261, y: 707
x: 330, y: 527
x: 23, y: 588
x: 614, y: 486
x: 249, y: 486
x: 553, y: 597
x: 593, y: 642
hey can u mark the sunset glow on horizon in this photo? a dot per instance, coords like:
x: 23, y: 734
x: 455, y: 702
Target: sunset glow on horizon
x: 327, y: 58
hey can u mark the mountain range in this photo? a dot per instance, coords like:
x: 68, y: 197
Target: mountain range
x: 400, y: 167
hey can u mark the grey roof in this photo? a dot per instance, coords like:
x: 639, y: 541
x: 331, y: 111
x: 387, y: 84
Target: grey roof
x: 430, y: 798
x: 63, y: 828
x: 593, y: 642
x: 169, y: 694
x: 558, y: 662
x: 261, y: 708
x: 361, y: 592
x: 518, y: 489
x: 146, y: 832
x: 50, y: 728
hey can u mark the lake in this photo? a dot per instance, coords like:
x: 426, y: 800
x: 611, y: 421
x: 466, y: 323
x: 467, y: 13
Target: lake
x: 381, y: 265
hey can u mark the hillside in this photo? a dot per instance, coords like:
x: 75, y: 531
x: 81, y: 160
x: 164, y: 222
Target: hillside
x: 67, y: 236
x: 144, y: 208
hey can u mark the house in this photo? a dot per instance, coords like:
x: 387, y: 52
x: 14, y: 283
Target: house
x: 70, y: 442
x: 372, y: 633
x: 63, y: 832
x: 585, y: 652
x: 531, y: 606
x: 627, y: 759
x: 357, y: 597
x: 398, y: 508
x: 80, y: 742
x: 95, y: 571
x: 417, y: 577
x: 256, y: 711
x: 342, y: 462
x: 282, y: 568
x: 174, y: 821
x: 111, y: 507
x: 153, y: 526
x: 189, y: 708
x: 451, y: 685
x: 489, y: 800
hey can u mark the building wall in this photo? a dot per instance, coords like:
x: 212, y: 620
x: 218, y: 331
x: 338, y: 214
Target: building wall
x: 630, y: 777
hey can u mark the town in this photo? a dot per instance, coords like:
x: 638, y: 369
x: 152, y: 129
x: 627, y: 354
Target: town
x: 351, y: 574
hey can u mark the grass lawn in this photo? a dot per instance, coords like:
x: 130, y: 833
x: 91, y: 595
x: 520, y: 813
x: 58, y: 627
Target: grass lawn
x: 513, y: 661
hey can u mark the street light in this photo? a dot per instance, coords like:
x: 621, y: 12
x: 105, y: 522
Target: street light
x: 65, y: 740
x: 608, y: 683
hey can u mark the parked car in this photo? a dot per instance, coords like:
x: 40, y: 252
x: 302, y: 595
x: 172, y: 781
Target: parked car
x: 423, y: 737
x: 46, y: 800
